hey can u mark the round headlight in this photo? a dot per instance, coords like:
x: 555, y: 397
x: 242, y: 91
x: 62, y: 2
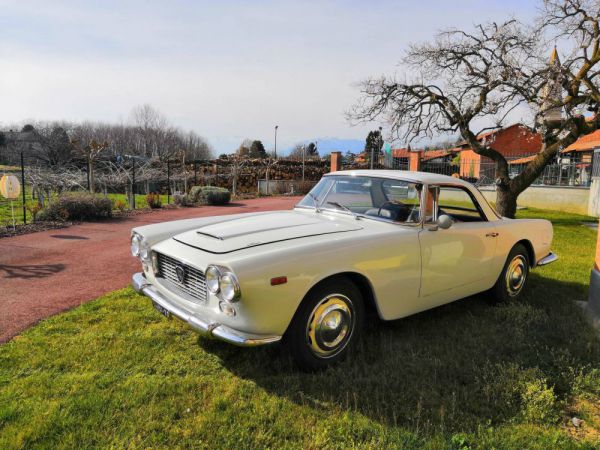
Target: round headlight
x: 144, y: 250
x: 213, y: 277
x: 230, y: 288
x: 136, y: 243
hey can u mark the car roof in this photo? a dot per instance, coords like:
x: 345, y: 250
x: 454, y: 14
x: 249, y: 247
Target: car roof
x: 418, y: 177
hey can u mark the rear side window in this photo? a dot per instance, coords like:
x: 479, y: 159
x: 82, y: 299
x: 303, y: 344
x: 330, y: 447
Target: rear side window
x: 458, y: 204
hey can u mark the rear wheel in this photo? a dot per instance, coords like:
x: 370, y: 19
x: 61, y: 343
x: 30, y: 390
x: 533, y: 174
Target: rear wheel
x: 514, y: 275
x: 326, y: 325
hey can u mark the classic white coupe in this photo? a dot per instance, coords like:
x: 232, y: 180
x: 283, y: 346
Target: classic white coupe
x: 391, y: 242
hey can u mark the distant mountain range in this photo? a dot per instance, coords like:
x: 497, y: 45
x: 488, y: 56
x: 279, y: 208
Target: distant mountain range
x: 327, y: 145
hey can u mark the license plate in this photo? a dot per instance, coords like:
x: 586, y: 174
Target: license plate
x: 160, y: 309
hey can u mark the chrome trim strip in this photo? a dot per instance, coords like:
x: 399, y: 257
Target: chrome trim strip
x: 549, y: 258
x: 211, y: 329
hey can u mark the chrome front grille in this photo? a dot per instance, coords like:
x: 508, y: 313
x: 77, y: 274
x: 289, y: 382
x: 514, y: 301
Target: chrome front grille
x: 194, y: 283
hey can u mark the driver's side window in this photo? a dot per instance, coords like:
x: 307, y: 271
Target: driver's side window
x: 457, y: 203
x: 402, y: 200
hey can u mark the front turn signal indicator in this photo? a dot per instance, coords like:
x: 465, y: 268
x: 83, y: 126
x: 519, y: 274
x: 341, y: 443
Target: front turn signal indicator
x: 278, y: 280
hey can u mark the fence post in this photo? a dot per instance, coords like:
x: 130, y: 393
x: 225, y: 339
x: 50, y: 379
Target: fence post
x: 133, y: 181
x: 168, y: 182
x: 414, y: 163
x: 23, y: 190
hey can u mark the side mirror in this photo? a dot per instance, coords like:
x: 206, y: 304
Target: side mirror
x: 444, y: 222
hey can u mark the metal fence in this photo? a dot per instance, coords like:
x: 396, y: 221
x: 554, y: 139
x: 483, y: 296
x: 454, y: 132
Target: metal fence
x: 285, y: 187
x: 563, y: 171
x: 15, y: 211
x: 397, y: 163
x: 128, y: 180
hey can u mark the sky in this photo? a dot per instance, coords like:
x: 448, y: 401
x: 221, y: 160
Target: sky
x: 228, y: 70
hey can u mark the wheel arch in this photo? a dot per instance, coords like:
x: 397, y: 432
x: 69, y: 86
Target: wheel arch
x: 360, y: 281
x: 530, y: 251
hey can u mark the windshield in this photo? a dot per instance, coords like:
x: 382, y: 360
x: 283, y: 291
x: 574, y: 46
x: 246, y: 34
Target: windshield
x: 394, y: 200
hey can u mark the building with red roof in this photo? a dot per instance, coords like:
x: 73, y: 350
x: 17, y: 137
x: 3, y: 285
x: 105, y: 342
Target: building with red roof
x: 516, y: 141
x: 585, y: 145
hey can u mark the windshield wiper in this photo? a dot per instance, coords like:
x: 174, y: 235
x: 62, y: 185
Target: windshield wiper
x: 345, y: 208
x: 315, y: 201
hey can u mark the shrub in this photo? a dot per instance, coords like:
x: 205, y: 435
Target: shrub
x: 77, y: 206
x: 182, y: 199
x: 153, y: 200
x: 216, y: 196
x: 194, y: 194
x: 120, y: 205
x: 209, y: 195
x: 34, y: 209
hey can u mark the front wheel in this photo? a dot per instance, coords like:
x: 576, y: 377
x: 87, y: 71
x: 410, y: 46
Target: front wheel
x: 514, y: 275
x: 326, y: 325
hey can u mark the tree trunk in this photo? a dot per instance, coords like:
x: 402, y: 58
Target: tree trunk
x: 91, y: 172
x: 506, y: 202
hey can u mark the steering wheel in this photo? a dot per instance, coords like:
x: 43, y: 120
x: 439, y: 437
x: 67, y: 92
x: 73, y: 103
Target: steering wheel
x: 389, y: 202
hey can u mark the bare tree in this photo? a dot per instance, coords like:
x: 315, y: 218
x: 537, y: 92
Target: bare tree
x: 466, y: 79
x: 86, y: 139
x: 52, y: 144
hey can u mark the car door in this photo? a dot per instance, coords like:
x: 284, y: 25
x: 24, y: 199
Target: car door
x: 455, y: 262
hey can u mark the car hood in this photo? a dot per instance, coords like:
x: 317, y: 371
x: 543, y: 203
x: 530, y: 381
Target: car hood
x: 229, y: 235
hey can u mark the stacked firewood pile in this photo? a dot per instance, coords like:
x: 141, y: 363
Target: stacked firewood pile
x: 245, y: 173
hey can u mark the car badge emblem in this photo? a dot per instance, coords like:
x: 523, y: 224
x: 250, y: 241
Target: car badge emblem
x: 180, y: 272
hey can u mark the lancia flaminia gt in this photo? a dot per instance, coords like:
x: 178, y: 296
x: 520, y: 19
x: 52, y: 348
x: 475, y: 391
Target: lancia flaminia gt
x: 391, y: 242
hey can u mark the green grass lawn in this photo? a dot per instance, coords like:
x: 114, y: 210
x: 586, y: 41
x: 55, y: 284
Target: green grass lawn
x: 114, y: 373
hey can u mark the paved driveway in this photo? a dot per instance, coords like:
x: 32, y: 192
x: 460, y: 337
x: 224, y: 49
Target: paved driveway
x: 44, y: 273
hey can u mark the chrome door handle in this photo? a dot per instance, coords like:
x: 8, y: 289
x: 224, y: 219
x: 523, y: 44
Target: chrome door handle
x: 494, y: 234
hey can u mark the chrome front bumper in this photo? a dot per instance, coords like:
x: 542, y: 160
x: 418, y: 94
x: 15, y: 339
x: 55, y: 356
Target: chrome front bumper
x: 199, y: 324
x: 549, y: 258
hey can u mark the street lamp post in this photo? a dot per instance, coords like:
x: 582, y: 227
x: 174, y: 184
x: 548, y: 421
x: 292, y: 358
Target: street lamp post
x: 276, y: 126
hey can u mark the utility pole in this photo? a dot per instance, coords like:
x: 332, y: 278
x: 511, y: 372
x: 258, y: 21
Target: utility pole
x: 276, y: 126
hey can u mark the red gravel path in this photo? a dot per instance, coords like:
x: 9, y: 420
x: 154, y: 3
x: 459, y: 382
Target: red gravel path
x: 44, y: 273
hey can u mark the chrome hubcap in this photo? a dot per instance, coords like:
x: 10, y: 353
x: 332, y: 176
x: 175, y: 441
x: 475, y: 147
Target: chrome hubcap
x: 516, y: 273
x: 330, y: 325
